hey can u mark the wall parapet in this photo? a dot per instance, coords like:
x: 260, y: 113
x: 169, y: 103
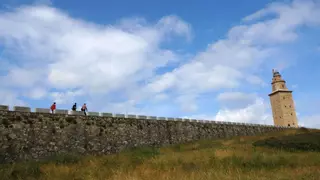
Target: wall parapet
x: 128, y: 116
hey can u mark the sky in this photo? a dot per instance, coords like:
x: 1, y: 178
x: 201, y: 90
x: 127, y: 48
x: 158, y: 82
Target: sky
x: 200, y: 59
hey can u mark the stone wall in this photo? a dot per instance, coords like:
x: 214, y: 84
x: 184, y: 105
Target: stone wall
x: 34, y: 135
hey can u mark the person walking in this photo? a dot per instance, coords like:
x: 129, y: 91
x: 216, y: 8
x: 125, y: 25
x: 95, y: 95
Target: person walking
x: 53, y: 107
x: 84, y: 109
x: 74, y: 107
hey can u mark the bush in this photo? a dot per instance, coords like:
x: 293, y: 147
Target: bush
x: 297, y: 142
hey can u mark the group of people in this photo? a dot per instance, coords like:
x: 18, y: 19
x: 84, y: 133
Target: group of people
x: 74, y: 108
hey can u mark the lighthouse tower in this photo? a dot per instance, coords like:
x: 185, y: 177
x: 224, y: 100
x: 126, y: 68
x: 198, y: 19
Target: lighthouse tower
x: 282, y: 104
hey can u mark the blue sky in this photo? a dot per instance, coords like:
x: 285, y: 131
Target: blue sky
x: 202, y: 59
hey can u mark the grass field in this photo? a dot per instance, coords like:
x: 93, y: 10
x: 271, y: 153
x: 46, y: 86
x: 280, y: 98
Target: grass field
x: 281, y: 155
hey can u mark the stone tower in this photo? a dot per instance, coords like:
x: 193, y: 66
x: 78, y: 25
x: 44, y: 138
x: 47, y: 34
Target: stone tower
x: 283, y: 109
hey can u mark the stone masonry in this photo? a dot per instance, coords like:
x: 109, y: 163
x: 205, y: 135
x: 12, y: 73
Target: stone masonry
x: 283, y: 108
x: 33, y: 135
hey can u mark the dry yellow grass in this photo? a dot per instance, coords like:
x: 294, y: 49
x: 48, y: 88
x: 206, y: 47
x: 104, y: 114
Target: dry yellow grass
x: 233, y: 159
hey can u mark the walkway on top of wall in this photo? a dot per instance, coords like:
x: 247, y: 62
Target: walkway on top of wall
x: 103, y: 114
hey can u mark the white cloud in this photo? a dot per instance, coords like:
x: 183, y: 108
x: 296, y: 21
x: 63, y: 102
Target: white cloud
x: 173, y: 23
x: 254, y: 113
x: 282, y: 28
x: 66, y: 97
x: 257, y: 112
x: 37, y: 93
x: 8, y: 97
x: 235, y: 96
x: 187, y: 102
x: 234, y: 62
x: 236, y: 100
x: 82, y: 55
x: 255, y: 80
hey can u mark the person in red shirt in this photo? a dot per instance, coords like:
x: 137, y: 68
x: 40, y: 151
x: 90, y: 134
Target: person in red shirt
x: 53, y: 107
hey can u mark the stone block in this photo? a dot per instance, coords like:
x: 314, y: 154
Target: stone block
x: 107, y: 114
x: 141, y: 117
x: 61, y: 111
x: 161, y: 118
x: 22, y: 109
x: 4, y: 108
x: 43, y: 110
x: 120, y: 115
x: 152, y: 117
x: 131, y: 116
x: 93, y: 113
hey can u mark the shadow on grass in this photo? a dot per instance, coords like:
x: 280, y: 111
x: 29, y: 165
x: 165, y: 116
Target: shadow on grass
x: 298, y: 142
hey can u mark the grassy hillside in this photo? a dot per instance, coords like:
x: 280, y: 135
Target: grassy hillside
x: 229, y: 159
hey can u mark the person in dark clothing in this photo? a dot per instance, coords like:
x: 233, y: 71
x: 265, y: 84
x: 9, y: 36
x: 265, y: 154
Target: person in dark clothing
x: 74, y: 107
x: 84, y: 109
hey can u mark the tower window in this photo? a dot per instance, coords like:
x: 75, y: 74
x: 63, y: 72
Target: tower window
x: 289, y: 125
x: 284, y: 97
x: 291, y: 114
x: 282, y: 86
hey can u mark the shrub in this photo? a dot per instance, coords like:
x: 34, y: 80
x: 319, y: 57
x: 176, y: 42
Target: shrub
x: 297, y: 142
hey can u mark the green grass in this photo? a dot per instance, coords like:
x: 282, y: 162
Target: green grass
x: 309, y: 141
x: 281, y: 155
